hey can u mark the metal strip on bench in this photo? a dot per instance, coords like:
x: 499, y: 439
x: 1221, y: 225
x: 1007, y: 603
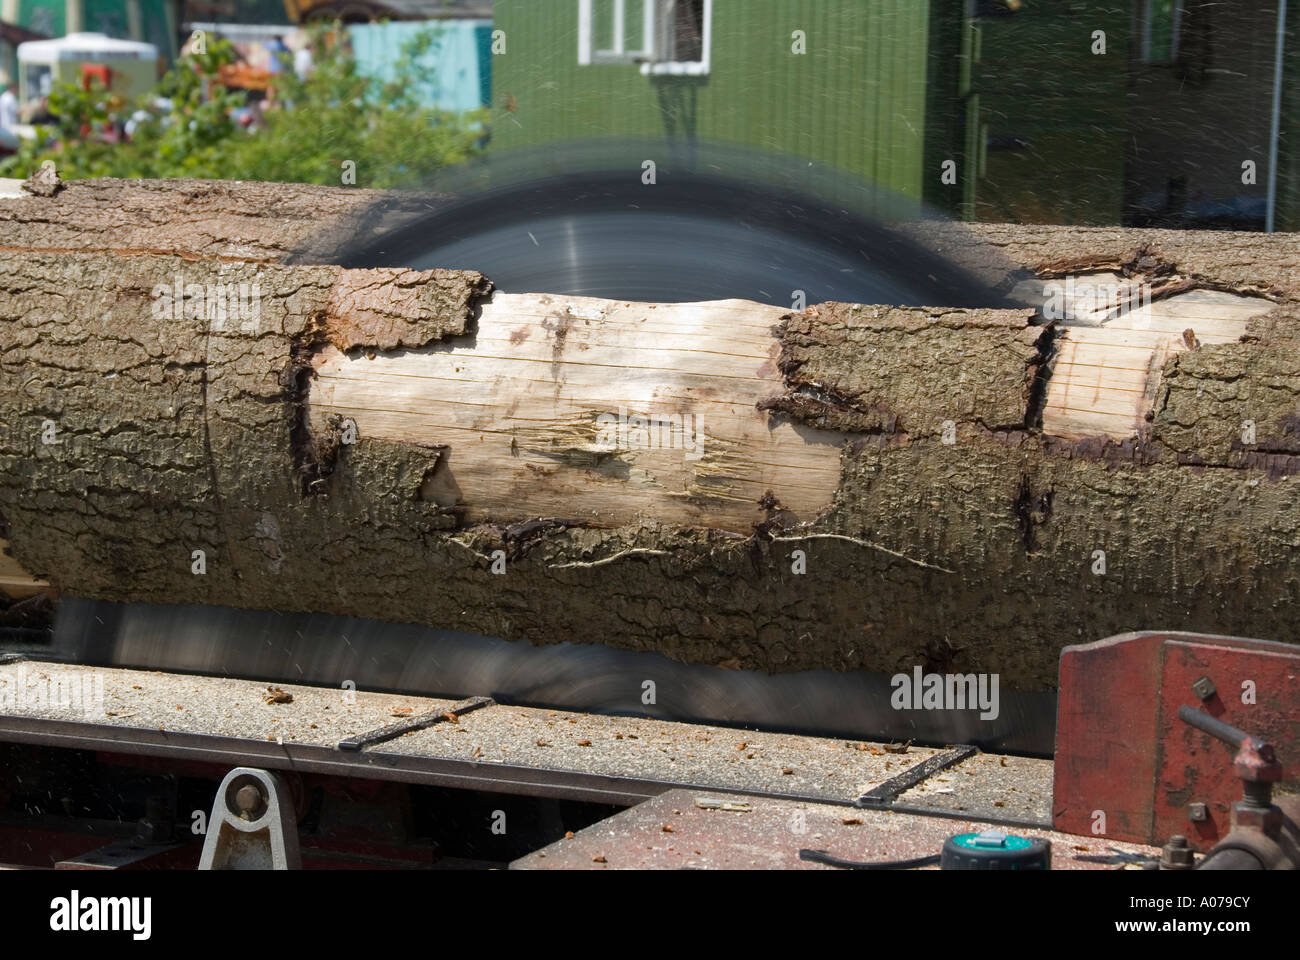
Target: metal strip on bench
x: 394, y: 730
x: 884, y: 794
x: 310, y: 758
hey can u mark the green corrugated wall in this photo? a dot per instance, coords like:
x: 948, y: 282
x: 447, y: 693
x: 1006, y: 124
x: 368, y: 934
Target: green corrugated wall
x: 46, y: 16
x: 104, y: 16
x: 856, y: 100
x: 1039, y: 82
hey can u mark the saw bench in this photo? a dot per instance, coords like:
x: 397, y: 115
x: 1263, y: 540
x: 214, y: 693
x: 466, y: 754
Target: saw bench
x: 724, y: 794
x: 316, y: 553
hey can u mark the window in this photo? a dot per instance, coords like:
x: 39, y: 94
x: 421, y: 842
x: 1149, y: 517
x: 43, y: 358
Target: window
x: 1161, y: 24
x: 39, y: 76
x: 681, y: 32
x: 607, y: 34
x: 663, y: 36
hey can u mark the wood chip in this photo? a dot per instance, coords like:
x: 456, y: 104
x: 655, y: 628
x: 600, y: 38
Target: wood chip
x: 276, y: 695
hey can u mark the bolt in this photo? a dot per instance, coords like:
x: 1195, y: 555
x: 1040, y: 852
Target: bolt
x: 250, y: 802
x: 1176, y: 854
x: 1198, y: 812
x: 1204, y: 688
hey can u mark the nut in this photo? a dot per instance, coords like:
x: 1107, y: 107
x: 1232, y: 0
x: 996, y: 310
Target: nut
x: 1176, y: 854
x: 1251, y: 817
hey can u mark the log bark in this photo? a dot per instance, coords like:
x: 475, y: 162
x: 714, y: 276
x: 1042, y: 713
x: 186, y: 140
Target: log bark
x: 203, y: 219
x: 966, y: 492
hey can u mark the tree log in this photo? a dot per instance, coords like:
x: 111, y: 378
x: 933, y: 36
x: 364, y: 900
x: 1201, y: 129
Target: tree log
x: 843, y: 487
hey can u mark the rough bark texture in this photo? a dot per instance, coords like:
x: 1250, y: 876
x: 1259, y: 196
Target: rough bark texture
x: 971, y: 546
x: 874, y: 369
x: 211, y: 219
x: 1219, y: 259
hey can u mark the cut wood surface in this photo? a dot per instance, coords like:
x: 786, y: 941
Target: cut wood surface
x: 600, y: 411
x: 1107, y: 369
x: 861, y: 486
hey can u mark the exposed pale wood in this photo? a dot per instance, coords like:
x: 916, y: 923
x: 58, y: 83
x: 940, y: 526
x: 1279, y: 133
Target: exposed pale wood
x: 518, y: 403
x: 1106, y: 372
x: 541, y: 369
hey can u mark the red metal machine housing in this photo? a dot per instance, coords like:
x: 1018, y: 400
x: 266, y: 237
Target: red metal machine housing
x: 1129, y: 768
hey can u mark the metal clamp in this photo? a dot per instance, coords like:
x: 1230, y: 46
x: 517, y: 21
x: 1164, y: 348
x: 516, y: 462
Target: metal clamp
x: 252, y: 826
x: 1257, y: 840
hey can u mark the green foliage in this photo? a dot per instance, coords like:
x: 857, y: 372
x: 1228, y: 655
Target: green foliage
x: 185, y: 126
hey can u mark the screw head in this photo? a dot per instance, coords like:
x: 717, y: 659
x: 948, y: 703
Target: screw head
x: 1197, y: 813
x: 1204, y: 688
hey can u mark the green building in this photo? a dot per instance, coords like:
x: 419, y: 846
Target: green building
x: 1087, y: 111
x: 150, y: 21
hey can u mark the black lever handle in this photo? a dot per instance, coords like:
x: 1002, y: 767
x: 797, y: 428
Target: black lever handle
x: 1217, y: 728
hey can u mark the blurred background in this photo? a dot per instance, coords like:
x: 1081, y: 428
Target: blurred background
x: 1175, y: 113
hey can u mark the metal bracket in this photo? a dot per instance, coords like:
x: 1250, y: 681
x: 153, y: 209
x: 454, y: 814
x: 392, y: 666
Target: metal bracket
x: 252, y: 826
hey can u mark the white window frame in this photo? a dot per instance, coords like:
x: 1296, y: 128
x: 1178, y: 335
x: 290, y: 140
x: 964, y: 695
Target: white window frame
x: 589, y: 53
x: 688, y: 68
x: 651, y: 64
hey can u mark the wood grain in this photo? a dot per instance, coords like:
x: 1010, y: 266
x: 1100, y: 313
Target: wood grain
x: 519, y: 405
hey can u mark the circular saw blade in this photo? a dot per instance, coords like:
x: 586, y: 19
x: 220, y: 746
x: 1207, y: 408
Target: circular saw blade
x: 702, y: 230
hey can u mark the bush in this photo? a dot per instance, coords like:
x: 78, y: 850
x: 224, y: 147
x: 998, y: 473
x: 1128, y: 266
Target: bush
x: 185, y: 127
